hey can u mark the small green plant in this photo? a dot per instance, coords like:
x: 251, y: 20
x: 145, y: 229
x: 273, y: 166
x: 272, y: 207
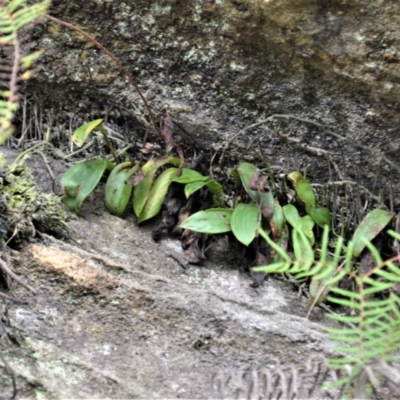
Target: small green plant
x: 246, y: 219
x: 374, y: 333
x: 149, y: 191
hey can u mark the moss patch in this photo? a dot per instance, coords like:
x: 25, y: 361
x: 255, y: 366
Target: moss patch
x: 27, y: 203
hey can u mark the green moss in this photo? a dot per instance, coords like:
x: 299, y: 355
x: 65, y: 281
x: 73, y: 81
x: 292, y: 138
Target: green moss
x: 24, y: 197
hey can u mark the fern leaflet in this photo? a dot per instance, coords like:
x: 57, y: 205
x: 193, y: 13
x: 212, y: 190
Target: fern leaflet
x: 14, y: 15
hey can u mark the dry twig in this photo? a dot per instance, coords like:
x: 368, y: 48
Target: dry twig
x: 9, y: 272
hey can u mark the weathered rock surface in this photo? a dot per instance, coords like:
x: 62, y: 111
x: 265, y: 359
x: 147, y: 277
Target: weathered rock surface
x: 123, y: 319
x: 119, y: 316
x: 222, y: 64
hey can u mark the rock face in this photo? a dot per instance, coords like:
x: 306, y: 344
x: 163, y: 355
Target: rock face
x: 125, y: 320
x: 220, y: 65
x: 129, y: 323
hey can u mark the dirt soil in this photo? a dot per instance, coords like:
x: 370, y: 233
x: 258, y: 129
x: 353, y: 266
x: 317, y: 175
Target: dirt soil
x: 119, y: 316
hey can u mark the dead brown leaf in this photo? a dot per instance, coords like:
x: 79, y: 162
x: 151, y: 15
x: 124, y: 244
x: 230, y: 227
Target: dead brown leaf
x: 136, y: 178
x: 258, y: 277
x: 258, y: 181
x: 184, y: 213
x: 167, y: 130
x: 150, y: 148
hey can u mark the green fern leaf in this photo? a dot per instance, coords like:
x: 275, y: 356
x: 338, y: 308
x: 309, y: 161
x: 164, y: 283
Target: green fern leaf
x: 14, y: 15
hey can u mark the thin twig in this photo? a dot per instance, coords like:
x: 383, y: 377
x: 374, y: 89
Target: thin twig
x: 243, y: 131
x: 9, y: 272
x: 117, y: 62
x: 14, y: 233
x: 146, y: 135
x: 189, y: 135
x: 330, y: 131
x: 326, y: 128
x: 47, y: 164
x: 348, y: 182
x: 90, y: 143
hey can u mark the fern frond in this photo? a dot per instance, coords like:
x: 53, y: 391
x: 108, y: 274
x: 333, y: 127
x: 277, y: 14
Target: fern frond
x: 377, y: 332
x: 375, y: 338
x: 14, y: 15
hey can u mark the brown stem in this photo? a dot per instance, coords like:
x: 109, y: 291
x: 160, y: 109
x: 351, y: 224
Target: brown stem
x: 11, y: 274
x: 115, y: 59
x: 146, y: 135
x: 110, y: 146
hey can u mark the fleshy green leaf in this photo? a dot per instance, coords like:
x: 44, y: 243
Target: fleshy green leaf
x: 215, y: 187
x: 157, y: 194
x: 142, y: 189
x: 156, y: 163
x: 304, y: 224
x: 80, y: 180
x: 320, y: 215
x: 266, y: 202
x: 307, y: 225
x: 370, y: 226
x: 245, y: 221
x: 303, y: 189
x: 193, y: 187
x: 292, y: 215
x: 80, y: 134
x: 246, y: 171
x: 212, y: 221
x: 277, y: 221
x: 189, y: 176
x: 236, y: 177
x: 117, y: 191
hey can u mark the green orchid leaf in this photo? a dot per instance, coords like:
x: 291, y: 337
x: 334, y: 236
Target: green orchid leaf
x: 307, y: 225
x: 189, y: 176
x: 142, y: 189
x: 156, y: 163
x: 292, y: 215
x: 304, y: 224
x: 320, y: 215
x: 303, y: 189
x: 117, y: 191
x: 277, y: 221
x: 266, y: 203
x: 80, y: 180
x: 193, y: 187
x: 245, y: 222
x: 264, y: 199
x: 246, y: 171
x: 372, y: 224
x: 81, y: 134
x: 141, y: 192
x: 157, y: 194
x: 236, y: 177
x: 215, y: 187
x: 212, y: 221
